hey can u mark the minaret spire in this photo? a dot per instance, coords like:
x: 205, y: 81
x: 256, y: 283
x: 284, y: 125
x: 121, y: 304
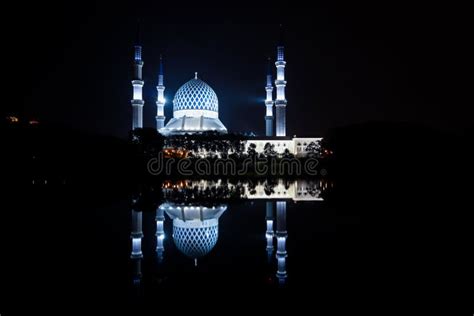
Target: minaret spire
x: 137, y: 35
x: 269, y: 102
x: 160, y: 70
x: 160, y: 100
x: 281, y: 38
x: 137, y: 83
x: 280, y: 83
x: 269, y: 72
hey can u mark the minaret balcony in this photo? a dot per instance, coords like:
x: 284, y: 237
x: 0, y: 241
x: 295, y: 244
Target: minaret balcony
x: 138, y: 234
x: 138, y: 82
x: 138, y: 102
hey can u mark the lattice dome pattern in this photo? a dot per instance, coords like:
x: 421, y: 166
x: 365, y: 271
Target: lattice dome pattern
x: 195, y: 242
x: 195, y: 95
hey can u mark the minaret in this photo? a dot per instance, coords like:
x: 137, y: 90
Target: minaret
x: 280, y: 83
x: 160, y: 100
x: 160, y: 233
x: 269, y: 233
x: 269, y: 102
x: 136, y: 236
x: 281, y: 236
x: 137, y: 83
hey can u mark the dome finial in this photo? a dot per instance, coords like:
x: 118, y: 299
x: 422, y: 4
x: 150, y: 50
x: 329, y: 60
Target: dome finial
x: 195, y: 75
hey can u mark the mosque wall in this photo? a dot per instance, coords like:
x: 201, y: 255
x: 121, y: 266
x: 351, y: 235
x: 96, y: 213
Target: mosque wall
x: 296, y: 146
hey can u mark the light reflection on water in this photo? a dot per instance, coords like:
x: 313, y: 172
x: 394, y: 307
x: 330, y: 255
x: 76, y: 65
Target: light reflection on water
x: 192, y: 210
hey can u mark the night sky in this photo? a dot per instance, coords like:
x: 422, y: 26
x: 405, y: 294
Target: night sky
x: 70, y: 64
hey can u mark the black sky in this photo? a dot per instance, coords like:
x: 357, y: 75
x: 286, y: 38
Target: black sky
x: 346, y: 62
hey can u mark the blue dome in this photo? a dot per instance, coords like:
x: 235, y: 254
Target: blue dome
x: 195, y: 242
x: 195, y: 95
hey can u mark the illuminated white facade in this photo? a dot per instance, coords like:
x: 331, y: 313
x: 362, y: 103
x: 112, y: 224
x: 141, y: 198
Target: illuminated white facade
x: 298, y: 190
x: 160, y: 100
x: 137, y: 83
x: 297, y: 146
x: 195, y: 109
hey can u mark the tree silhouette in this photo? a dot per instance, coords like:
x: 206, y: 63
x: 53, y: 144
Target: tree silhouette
x: 313, y: 149
x: 251, y: 150
x: 269, y: 150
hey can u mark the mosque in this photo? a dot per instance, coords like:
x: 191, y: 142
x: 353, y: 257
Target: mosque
x: 196, y: 108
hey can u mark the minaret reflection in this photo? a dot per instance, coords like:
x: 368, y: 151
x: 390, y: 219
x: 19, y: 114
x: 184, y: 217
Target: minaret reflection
x: 281, y: 236
x: 195, y: 224
x: 160, y: 233
x: 136, y: 237
x: 269, y: 233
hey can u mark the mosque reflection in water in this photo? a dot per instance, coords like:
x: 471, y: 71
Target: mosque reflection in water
x: 195, y: 206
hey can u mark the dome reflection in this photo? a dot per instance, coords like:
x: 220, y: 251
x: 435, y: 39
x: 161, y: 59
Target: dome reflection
x: 195, y: 228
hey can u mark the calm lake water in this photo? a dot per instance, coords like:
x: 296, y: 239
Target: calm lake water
x: 185, y: 234
x: 377, y: 226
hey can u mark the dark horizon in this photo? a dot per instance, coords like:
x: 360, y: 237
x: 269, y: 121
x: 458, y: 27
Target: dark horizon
x: 345, y: 64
